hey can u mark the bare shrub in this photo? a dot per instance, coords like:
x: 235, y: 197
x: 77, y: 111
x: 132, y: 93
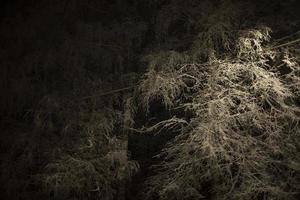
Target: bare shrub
x: 239, y: 144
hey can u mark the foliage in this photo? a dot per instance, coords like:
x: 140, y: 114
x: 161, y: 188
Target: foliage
x: 216, y: 85
x: 90, y: 158
x: 238, y: 145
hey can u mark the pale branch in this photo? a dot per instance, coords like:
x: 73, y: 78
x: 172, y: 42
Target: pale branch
x: 286, y: 37
x: 157, y: 128
x: 285, y: 44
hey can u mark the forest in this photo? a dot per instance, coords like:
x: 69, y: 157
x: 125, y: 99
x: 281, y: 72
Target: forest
x: 150, y: 99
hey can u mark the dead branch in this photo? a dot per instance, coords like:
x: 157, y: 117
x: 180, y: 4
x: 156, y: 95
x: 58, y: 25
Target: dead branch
x: 163, y: 125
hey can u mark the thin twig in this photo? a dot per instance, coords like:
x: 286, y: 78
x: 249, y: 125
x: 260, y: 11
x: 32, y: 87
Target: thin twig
x: 168, y: 124
x: 281, y: 39
x: 108, y: 93
x: 286, y: 44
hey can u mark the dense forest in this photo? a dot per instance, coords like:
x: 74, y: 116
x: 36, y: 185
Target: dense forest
x: 150, y: 99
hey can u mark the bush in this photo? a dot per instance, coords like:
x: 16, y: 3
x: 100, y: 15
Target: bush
x: 242, y: 142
